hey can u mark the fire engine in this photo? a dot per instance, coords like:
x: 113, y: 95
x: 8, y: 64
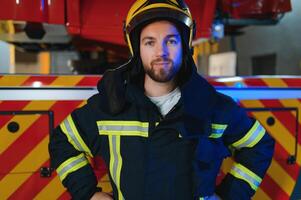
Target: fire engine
x: 31, y: 105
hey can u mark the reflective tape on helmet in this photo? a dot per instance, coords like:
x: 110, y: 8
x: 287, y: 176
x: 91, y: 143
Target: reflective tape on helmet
x: 217, y: 130
x: 71, y: 165
x: 251, y: 138
x: 241, y: 172
x: 69, y: 129
x: 123, y: 128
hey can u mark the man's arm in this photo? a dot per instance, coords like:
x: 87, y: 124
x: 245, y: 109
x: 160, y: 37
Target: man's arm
x: 69, y: 148
x: 253, y: 150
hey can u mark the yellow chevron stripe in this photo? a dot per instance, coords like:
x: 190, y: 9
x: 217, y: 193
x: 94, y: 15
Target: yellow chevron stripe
x: 30, y: 163
x: 281, y: 177
x: 25, y: 121
x: 261, y: 195
x: 297, y: 104
x: 66, y: 81
x: 7, y: 138
x: 274, y: 82
x: 11, y: 81
x: 278, y: 131
x: 229, y: 83
x: 227, y: 165
x: 53, y: 190
x: 105, y: 184
x: 82, y: 104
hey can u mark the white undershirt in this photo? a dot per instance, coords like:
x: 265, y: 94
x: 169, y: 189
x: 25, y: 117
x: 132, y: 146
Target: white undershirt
x: 166, y: 102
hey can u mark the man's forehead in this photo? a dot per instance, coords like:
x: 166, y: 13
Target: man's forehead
x: 160, y: 27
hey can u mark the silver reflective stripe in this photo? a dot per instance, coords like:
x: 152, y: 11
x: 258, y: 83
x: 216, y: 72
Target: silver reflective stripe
x: 252, y: 137
x: 216, y: 133
x: 115, y: 160
x: 72, y: 135
x: 248, y: 178
x: 217, y: 130
x: 122, y: 128
x: 69, y: 167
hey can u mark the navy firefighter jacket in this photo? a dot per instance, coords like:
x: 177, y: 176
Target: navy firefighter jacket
x: 149, y: 157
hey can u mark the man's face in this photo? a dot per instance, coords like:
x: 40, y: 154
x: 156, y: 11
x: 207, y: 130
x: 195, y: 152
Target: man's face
x: 161, y: 50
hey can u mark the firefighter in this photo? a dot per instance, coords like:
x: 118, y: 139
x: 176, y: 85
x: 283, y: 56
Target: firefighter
x: 160, y: 128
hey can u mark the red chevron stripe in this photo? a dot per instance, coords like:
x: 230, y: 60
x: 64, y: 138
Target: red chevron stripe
x: 255, y: 82
x: 4, y: 119
x: 221, y: 175
x: 89, y: 81
x: 61, y: 110
x: 45, y: 80
x: 287, y: 119
x: 10, y: 106
x: 25, y: 143
x: 99, y: 167
x: 65, y: 196
x: 280, y: 155
x: 292, y: 82
x: 33, y: 185
x: 215, y: 83
x: 272, y: 189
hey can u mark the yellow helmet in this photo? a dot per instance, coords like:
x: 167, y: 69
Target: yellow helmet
x: 143, y: 11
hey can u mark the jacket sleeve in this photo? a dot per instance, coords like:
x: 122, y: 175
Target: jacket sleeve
x: 252, y: 148
x: 71, y: 143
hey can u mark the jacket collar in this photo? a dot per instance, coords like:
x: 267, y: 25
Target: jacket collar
x: 198, y: 98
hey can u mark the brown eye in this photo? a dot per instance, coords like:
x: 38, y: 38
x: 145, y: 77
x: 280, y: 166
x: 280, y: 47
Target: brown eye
x: 149, y: 43
x: 172, y: 42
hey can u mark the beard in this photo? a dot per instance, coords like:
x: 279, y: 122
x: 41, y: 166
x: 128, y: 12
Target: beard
x: 162, y: 74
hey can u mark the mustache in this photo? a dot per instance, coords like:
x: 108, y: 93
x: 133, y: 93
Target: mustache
x: 160, y: 60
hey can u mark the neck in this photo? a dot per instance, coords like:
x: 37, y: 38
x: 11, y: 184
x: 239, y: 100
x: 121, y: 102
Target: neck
x: 155, y: 89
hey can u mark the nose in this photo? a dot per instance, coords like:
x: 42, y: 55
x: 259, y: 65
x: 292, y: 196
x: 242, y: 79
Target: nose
x: 162, y: 50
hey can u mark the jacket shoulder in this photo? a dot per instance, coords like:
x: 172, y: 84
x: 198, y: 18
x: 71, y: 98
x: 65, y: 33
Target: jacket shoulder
x: 225, y: 107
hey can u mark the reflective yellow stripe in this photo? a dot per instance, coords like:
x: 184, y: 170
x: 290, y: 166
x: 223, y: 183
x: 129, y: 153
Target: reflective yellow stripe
x: 123, y: 128
x: 71, y: 165
x: 217, y: 130
x: 123, y: 123
x: 70, y: 130
x: 162, y: 5
x: 115, y: 162
x: 241, y: 172
x: 251, y: 138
